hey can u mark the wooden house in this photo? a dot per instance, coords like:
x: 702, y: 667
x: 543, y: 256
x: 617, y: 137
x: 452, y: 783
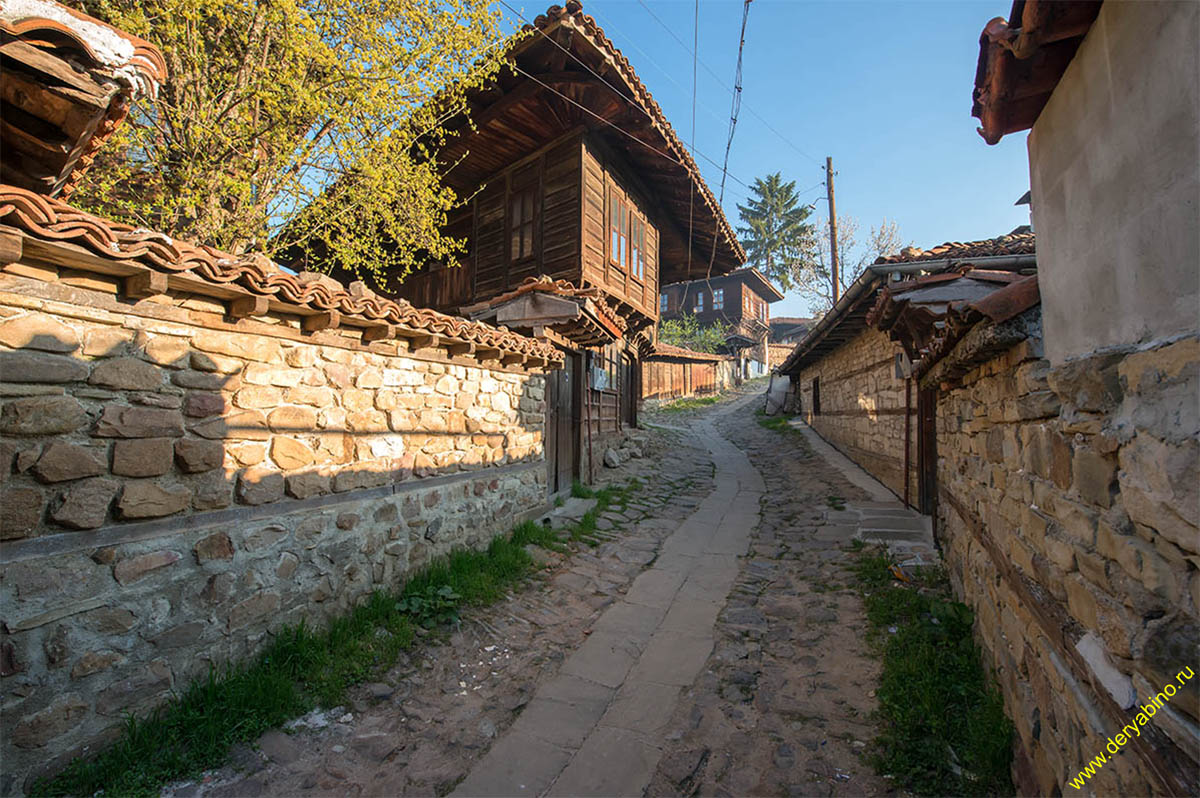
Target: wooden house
x: 582, y: 198
x: 739, y: 301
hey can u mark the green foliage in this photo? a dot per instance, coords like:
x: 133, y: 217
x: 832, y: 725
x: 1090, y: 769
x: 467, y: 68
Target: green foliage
x: 688, y: 333
x: 776, y: 234
x: 581, y: 491
x: 690, y: 403
x: 435, y: 606
x: 944, y: 729
x: 293, y: 121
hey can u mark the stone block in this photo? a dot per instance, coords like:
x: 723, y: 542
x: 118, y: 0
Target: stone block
x: 137, y: 693
x: 310, y: 395
x: 170, y: 351
x: 85, y: 504
x: 290, y: 454
x: 42, y: 415
x: 128, y: 374
x: 122, y: 421
x: 95, y: 662
x: 1094, y: 476
x: 38, y: 331
x: 143, y: 457
x: 248, y: 453
x: 213, y: 491
x: 107, y: 342
x: 293, y: 419
x: 202, y: 404
x: 20, y: 512
x: 254, y: 609
x: 1159, y: 488
x: 248, y: 347
x: 310, y: 483
x: 39, y: 728
x: 1146, y: 371
x: 147, y: 499
x: 259, y: 486
x: 217, y: 364
x: 300, y: 357
x: 41, y: 368
x: 217, y: 546
x: 131, y: 569
x: 1082, y: 601
x: 258, y: 397
x: 1091, y: 383
x: 279, y: 376
x: 63, y: 461
x: 242, y: 425
x: 197, y: 456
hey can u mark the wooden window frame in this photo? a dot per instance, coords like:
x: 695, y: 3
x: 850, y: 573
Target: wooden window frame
x: 664, y: 303
x: 698, y: 304
x: 618, y: 229
x: 520, y: 225
x: 637, y: 246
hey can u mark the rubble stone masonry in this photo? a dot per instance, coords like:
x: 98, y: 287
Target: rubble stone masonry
x: 862, y: 407
x: 175, y: 486
x: 1068, y: 512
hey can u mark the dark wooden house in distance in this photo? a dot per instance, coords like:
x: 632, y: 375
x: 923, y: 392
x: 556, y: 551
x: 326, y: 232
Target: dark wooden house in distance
x: 580, y: 199
x: 739, y: 300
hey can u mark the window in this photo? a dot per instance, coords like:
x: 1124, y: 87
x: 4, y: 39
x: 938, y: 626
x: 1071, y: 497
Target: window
x: 618, y: 226
x: 521, y: 223
x: 718, y: 298
x: 662, y: 303
x: 699, y: 306
x: 637, y: 245
x: 604, y: 368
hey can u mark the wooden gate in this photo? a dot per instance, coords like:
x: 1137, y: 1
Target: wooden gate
x: 562, y: 425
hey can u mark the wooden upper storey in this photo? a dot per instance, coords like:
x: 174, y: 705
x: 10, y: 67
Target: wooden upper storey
x: 562, y: 147
x: 740, y: 296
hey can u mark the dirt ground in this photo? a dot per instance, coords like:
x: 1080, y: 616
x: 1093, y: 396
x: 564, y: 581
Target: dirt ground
x: 782, y: 707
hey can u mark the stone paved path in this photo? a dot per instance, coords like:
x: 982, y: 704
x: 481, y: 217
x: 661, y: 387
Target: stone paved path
x: 596, y: 728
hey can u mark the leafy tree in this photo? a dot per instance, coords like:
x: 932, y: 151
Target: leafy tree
x: 687, y: 332
x: 813, y: 278
x: 287, y: 121
x: 776, y: 233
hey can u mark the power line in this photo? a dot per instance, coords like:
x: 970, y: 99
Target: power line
x: 692, y: 189
x: 721, y: 83
x: 618, y: 92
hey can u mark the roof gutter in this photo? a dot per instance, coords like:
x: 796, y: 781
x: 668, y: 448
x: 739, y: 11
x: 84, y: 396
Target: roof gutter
x: 1001, y: 261
x: 848, y: 299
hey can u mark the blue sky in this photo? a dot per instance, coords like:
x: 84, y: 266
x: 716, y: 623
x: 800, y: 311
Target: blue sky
x: 883, y: 87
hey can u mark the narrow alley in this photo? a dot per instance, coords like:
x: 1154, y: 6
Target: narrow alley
x: 710, y: 643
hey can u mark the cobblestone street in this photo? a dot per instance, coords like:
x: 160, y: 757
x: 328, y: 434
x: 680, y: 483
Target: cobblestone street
x: 709, y: 645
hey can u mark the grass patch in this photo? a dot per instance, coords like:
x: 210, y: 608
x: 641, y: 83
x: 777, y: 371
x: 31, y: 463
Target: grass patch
x: 944, y: 731
x: 300, y: 669
x: 690, y: 403
x: 835, y: 502
x: 581, y: 491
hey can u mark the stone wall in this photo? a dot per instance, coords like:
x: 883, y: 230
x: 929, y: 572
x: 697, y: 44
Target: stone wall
x: 176, y: 486
x: 1068, y: 511
x: 862, y: 407
x: 777, y: 353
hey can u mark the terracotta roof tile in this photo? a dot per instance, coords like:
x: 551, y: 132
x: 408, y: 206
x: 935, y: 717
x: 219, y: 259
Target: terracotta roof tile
x: 1017, y: 243
x: 667, y: 350
x: 49, y: 219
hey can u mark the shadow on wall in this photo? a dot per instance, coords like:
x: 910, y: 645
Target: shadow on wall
x: 115, y: 425
x: 168, y: 500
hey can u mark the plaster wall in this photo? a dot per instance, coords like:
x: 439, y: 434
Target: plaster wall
x: 1114, y: 164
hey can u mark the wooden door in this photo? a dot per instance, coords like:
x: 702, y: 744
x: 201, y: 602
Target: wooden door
x: 562, y: 425
x: 629, y: 392
x: 927, y: 450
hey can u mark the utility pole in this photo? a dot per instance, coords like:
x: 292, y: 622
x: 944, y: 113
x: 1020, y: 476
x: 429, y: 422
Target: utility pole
x: 833, y: 253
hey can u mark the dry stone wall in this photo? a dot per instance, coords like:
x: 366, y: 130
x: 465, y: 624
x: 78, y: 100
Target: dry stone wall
x: 1068, y: 518
x: 862, y: 406
x: 175, y: 486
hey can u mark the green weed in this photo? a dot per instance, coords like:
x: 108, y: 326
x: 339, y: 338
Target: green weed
x: 944, y: 731
x: 690, y: 403
x: 300, y: 669
x: 581, y: 491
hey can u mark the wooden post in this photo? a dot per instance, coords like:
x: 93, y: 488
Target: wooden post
x: 833, y: 253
